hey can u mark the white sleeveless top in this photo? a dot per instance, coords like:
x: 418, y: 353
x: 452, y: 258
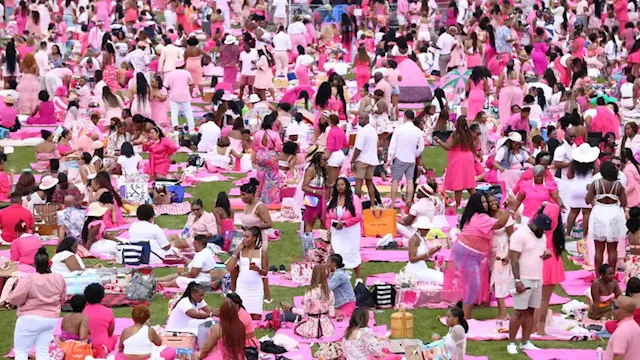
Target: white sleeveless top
x: 139, y: 343
x: 626, y: 90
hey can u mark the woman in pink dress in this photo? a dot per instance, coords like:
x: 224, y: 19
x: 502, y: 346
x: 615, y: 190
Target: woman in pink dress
x: 477, y: 89
x: 109, y: 71
x: 460, y: 174
x: 622, y: 12
x: 533, y: 193
x: 103, y: 8
x: 264, y: 75
x: 44, y: 114
x: 229, y: 58
x: 21, y: 14
x: 605, y: 120
x: 553, y: 268
x: 473, y: 50
x: 539, y: 53
x: 28, y: 86
x: 33, y: 21
x: 140, y: 92
x: 159, y: 97
x: 362, y: 64
x: 193, y: 62
x: 510, y: 91
x: 227, y: 339
x: 160, y: 150
x: 452, y: 14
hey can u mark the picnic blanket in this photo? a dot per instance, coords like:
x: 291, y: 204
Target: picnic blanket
x: 555, y: 354
x: 116, y: 300
x: 182, y: 208
x: 577, y: 282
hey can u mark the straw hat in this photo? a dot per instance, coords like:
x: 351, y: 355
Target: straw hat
x: 426, y: 190
x: 311, y: 151
x: 9, y: 100
x: 585, y: 153
x: 254, y: 98
x: 423, y: 223
x: 96, y: 210
x: 230, y: 40
x: 48, y: 182
x: 368, y: 33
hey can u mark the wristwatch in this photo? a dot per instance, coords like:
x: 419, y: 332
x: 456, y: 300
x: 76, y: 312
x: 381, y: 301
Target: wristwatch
x: 517, y: 280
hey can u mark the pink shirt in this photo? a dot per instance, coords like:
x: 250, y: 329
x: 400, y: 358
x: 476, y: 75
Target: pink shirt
x: 633, y: 185
x: 476, y: 234
x: 178, y: 81
x: 531, y: 248
x: 517, y: 123
x: 624, y: 341
x: 8, y: 117
x: 40, y: 295
x: 423, y: 207
x: 273, y: 140
x: 336, y: 139
x: 24, y: 249
x: 245, y: 318
x: 386, y: 88
x: 347, y: 217
x: 392, y: 76
x: 100, y: 318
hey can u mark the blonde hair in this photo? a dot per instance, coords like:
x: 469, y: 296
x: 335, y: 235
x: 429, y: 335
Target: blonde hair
x: 326, y: 32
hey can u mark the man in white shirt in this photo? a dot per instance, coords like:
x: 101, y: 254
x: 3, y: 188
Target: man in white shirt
x: 95, y: 36
x: 562, y: 157
x: 209, y: 134
x: 407, y: 144
x: 139, y: 59
x: 248, y: 58
x: 365, y: 157
x: 463, y: 7
x: 281, y: 47
x: 445, y: 44
x: 280, y: 12
x: 145, y: 231
x: 42, y: 59
x: 170, y: 58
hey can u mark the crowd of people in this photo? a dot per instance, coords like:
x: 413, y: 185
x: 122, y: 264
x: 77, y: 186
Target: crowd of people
x: 324, y: 105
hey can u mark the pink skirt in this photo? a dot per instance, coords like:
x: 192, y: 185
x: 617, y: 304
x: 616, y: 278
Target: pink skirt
x: 302, y: 74
x: 474, y: 60
x: 460, y: 170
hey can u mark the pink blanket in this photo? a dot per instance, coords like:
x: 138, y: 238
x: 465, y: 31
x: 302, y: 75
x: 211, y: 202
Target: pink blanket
x: 488, y: 330
x: 554, y: 354
x: 340, y: 327
x: 277, y: 279
x: 384, y: 255
x: 577, y: 282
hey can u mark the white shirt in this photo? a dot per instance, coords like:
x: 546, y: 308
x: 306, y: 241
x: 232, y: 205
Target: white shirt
x: 367, y: 143
x: 296, y: 28
x: 445, y: 43
x: 280, y: 7
x: 248, y: 60
x: 129, y: 165
x: 302, y: 130
x: 563, y: 154
x: 282, y: 42
x: 42, y: 59
x: 169, y: 19
x: 463, y: 5
x: 144, y: 231
x: 83, y: 19
x: 306, y: 60
x: 407, y: 143
x: 58, y: 265
x: 210, y: 133
x: 582, y: 8
x: 178, y: 319
x: 205, y: 261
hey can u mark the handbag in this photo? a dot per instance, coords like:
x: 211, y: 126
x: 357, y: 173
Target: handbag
x: 330, y: 351
x: 311, y: 201
x: 252, y: 352
x: 129, y: 254
x: 301, y: 271
x: 179, y: 340
x: 384, y: 295
x: 76, y: 350
x: 379, y: 222
x: 7, y: 267
x: 364, y: 298
x: 436, y: 350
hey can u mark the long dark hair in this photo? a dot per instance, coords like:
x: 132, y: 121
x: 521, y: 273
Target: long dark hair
x: 11, y: 56
x: 304, y: 95
x: 627, y: 155
x: 66, y: 244
x: 558, y: 238
x: 323, y: 95
x: 582, y: 169
x: 459, y: 314
x: 85, y: 227
x: 462, y: 135
x: 348, y: 196
x: 550, y: 77
x: 109, y: 98
x: 142, y: 88
x: 193, y: 286
x: 474, y: 206
x: 474, y: 41
x: 341, y: 96
x: 104, y: 180
x: 316, y: 162
x: 492, y: 35
x: 222, y: 201
x: 41, y: 261
x: 477, y: 74
x: 359, y: 320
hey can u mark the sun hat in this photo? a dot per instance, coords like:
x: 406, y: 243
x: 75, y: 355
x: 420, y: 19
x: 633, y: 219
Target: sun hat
x: 229, y: 40
x: 48, y: 182
x: 423, y: 223
x: 9, y: 100
x: 426, y: 190
x: 96, y: 210
x: 585, y: 153
x: 515, y: 136
x: 311, y: 151
x: 254, y: 98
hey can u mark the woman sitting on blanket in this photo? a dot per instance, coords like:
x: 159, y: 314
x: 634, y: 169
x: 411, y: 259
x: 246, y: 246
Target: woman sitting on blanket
x: 138, y: 341
x: 67, y: 261
x: 190, y: 310
x: 244, y: 316
x: 199, y: 222
x: 224, y: 214
x: 95, y: 238
x: 318, y: 306
x: 101, y: 321
x: 46, y: 151
x: 101, y: 185
x: 200, y: 269
x: 340, y: 284
x: 75, y: 325
x: 227, y: 339
x: 420, y: 252
x: 44, y: 113
x: 359, y: 341
x: 602, y: 292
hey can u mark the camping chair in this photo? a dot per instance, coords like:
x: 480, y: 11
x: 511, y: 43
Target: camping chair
x: 46, y: 218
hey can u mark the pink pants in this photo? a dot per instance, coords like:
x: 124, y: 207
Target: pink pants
x: 166, y: 354
x: 347, y: 309
x: 282, y: 61
x: 298, y: 39
x: 302, y: 74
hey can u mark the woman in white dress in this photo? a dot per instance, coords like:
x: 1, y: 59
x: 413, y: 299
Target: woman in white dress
x: 419, y: 253
x: 580, y: 173
x: 607, y: 223
x: 344, y: 214
x: 456, y: 338
x: 221, y: 157
x: 253, y: 264
x: 190, y: 310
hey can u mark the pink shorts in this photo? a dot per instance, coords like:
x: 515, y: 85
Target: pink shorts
x: 347, y: 309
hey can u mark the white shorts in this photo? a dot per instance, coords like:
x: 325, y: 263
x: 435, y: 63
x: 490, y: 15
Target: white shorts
x: 424, y: 36
x: 336, y: 159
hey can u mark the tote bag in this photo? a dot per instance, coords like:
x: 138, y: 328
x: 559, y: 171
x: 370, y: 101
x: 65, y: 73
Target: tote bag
x: 379, y: 222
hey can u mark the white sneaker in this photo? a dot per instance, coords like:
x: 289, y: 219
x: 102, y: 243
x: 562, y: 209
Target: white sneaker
x: 512, y: 349
x: 529, y: 346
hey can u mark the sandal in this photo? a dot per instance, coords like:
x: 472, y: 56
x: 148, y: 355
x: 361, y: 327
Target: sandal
x: 578, y: 338
x: 273, y: 268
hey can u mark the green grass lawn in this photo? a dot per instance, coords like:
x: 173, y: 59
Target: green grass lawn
x: 282, y: 252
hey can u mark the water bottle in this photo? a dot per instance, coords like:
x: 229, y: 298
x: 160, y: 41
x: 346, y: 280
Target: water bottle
x: 599, y: 353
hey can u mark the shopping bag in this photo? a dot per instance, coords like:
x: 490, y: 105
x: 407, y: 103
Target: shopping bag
x: 301, y: 271
x: 379, y: 222
x: 436, y: 350
x: 76, y: 350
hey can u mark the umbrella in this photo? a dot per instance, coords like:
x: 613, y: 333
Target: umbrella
x: 455, y: 80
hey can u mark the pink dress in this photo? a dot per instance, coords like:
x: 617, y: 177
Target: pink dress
x: 539, y: 57
x: 160, y: 156
x: 535, y: 195
x: 194, y: 66
x: 5, y: 186
x: 460, y: 174
x: 264, y: 75
x: 363, y: 73
x: 605, y: 121
x: 159, y: 110
x: 553, y: 268
x: 318, y: 312
x: 28, y: 87
x: 100, y: 318
x: 510, y: 94
x: 21, y: 21
x: 43, y: 160
x: 476, y: 100
x: 45, y: 115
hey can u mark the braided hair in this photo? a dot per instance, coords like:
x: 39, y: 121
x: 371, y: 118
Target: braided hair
x: 193, y: 286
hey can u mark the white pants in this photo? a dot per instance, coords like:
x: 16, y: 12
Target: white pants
x: 186, y: 109
x: 281, y: 59
x: 33, y: 330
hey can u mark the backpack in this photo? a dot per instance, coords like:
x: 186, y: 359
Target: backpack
x: 364, y: 298
x: 141, y: 287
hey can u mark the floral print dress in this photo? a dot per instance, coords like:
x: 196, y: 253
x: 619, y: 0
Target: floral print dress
x: 318, y: 312
x: 365, y: 346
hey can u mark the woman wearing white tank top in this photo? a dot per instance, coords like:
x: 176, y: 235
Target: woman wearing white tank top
x: 139, y: 342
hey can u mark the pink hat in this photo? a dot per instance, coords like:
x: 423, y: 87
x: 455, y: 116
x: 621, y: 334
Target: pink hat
x: 61, y: 91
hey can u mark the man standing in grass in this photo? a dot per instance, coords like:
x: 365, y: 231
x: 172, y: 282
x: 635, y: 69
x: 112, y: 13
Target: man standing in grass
x: 528, y: 251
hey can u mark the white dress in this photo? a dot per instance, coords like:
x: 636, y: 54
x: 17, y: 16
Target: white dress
x: 420, y: 271
x: 249, y: 285
x: 456, y: 342
x: 346, y: 241
x: 577, y: 191
x: 220, y: 161
x: 607, y: 221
